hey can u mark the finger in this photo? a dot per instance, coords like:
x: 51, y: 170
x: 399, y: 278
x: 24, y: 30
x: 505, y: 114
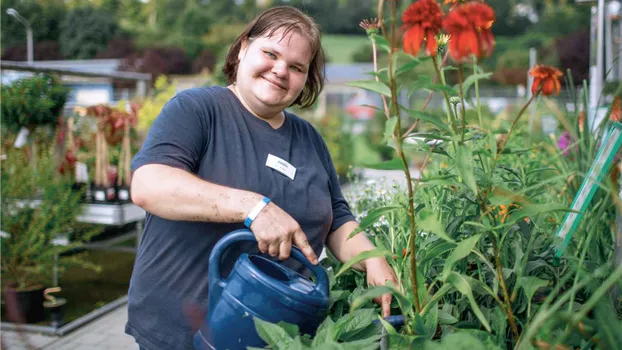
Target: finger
x: 263, y: 247
x: 285, y: 249
x: 301, y: 241
x: 386, y: 305
x: 273, y: 250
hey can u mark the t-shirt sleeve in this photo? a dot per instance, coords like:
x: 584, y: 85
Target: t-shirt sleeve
x: 341, y: 209
x: 178, y: 135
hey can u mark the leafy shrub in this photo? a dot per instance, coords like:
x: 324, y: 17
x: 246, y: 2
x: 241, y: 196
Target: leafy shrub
x: 33, y: 101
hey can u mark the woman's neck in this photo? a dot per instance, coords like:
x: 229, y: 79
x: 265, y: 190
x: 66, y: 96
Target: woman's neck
x: 275, y: 120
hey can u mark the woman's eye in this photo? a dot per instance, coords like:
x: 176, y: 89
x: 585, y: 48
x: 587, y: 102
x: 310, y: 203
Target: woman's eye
x: 297, y: 69
x: 270, y: 54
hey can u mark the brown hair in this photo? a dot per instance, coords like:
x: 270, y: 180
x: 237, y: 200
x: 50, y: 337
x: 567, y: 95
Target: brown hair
x: 291, y: 19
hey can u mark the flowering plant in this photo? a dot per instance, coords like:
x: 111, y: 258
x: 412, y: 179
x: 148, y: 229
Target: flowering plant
x: 471, y: 237
x: 476, y: 247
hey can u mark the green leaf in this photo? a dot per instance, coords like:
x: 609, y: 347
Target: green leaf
x: 389, y: 327
x: 291, y: 329
x: 428, y: 117
x: 445, y: 317
x: 531, y: 210
x: 425, y: 82
x: 371, y: 85
x: 272, y: 334
x: 381, y: 42
x: 431, y: 321
x: 389, y: 129
x: 373, y: 292
x: 429, y: 222
x: 352, y: 321
x: 373, y: 217
x: 530, y: 285
x: 324, y: 333
x: 407, y: 67
x: 360, y: 257
x: 464, y: 166
x: 463, y: 249
x: 393, y: 164
x: 471, y: 79
x: 462, y: 285
x: 364, y: 334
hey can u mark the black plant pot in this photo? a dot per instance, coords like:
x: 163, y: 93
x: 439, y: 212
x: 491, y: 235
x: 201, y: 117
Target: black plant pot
x: 57, y: 311
x: 123, y: 194
x: 27, y: 303
x: 103, y: 194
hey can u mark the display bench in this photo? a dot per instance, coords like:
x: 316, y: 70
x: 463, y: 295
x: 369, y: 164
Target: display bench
x: 109, y: 214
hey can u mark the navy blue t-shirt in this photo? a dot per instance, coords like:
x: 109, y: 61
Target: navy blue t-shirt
x: 208, y: 132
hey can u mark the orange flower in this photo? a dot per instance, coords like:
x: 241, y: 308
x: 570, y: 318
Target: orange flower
x: 469, y: 26
x: 422, y: 20
x: 615, y: 110
x: 545, y: 78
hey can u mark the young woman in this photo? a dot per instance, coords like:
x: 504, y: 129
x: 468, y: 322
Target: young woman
x: 217, y: 155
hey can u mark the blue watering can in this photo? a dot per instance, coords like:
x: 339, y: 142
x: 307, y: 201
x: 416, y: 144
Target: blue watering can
x: 262, y: 288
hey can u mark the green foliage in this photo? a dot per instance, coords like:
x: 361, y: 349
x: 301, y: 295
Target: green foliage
x: 472, y: 250
x: 37, y: 206
x: 32, y: 102
x: 44, y: 17
x: 86, y: 32
x: 151, y: 107
x: 335, y: 132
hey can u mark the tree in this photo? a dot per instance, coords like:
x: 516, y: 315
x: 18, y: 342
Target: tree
x: 44, y: 17
x: 86, y: 32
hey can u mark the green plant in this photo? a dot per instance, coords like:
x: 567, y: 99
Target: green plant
x: 336, y: 133
x: 151, y: 107
x: 472, y: 237
x: 33, y: 101
x: 38, y: 205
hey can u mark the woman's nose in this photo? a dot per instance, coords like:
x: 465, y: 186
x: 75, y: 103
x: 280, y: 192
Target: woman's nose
x: 279, y: 69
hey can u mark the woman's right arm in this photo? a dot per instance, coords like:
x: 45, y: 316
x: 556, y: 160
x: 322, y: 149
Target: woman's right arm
x: 176, y: 194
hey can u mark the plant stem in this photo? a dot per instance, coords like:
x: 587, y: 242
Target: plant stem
x: 460, y: 73
x: 375, y: 58
x: 451, y: 117
x: 427, y: 101
x: 504, y: 288
x: 507, y: 136
x: 398, y: 145
x: 479, y: 109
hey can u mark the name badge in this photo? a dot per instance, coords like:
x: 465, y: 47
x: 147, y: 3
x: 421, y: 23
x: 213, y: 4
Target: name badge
x: 281, y: 166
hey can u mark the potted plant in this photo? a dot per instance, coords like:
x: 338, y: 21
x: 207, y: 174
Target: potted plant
x: 30, y: 104
x: 37, y: 205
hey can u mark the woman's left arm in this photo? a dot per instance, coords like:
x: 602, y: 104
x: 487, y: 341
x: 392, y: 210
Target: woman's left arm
x: 377, y: 269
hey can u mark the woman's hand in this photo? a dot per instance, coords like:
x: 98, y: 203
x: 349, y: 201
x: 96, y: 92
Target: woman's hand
x: 379, y: 272
x: 276, y: 230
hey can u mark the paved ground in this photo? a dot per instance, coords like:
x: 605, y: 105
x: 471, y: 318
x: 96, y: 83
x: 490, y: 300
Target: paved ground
x: 107, y: 332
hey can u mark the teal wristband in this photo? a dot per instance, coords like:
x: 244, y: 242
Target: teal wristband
x: 255, y: 211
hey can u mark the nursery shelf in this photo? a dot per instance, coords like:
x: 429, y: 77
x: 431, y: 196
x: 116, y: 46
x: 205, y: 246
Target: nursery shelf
x: 111, y: 214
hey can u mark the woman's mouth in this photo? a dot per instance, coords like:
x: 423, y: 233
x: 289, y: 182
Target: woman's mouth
x: 275, y: 83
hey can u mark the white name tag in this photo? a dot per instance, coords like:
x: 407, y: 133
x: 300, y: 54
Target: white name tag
x: 281, y: 166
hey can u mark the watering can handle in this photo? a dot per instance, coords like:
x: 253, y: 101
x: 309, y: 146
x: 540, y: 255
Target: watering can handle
x: 215, y: 276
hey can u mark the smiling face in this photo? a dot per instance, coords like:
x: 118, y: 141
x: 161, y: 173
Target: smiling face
x: 272, y: 72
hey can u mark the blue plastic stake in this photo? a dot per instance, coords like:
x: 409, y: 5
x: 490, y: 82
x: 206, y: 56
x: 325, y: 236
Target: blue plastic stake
x: 582, y: 199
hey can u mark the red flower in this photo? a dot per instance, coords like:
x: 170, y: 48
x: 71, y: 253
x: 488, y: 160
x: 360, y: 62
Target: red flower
x: 422, y: 19
x: 469, y: 27
x: 545, y: 78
